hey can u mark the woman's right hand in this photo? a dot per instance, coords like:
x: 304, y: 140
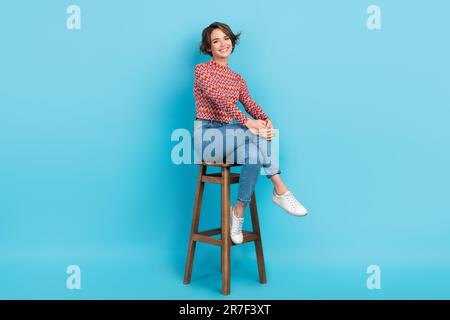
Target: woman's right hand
x: 259, y: 127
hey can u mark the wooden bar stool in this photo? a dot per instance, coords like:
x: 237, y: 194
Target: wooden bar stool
x: 224, y: 178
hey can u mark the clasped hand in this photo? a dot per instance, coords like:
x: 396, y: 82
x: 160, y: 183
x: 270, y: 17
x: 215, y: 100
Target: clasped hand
x: 263, y: 128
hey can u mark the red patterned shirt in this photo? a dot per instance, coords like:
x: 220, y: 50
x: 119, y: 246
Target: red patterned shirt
x: 217, y: 89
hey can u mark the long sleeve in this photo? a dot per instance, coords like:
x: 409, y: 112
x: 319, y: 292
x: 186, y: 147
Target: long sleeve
x: 204, y: 83
x: 249, y: 104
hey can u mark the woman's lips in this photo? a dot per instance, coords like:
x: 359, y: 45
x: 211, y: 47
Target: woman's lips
x: 224, y: 50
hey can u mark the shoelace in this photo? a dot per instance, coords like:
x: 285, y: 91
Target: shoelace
x: 292, y: 200
x: 237, y: 227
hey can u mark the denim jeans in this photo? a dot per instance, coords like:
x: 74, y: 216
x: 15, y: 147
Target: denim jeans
x: 238, y: 145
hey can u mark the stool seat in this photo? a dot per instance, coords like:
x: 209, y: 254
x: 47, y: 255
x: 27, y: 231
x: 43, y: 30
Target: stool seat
x: 225, y: 178
x: 223, y: 165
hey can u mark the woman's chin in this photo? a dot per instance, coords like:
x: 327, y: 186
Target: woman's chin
x: 222, y: 55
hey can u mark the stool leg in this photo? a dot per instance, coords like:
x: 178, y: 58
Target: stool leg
x: 258, y: 242
x: 225, y: 261
x: 194, y: 226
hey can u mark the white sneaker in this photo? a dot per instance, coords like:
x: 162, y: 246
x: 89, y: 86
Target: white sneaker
x: 236, y: 227
x: 288, y: 202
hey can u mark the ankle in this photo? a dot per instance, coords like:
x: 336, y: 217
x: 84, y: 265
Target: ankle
x: 280, y: 191
x: 238, y: 211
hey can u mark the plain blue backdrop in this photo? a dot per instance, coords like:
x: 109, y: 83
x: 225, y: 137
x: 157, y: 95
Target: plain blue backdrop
x: 86, y: 176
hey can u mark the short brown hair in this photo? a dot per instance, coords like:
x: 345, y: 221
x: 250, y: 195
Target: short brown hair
x: 205, y: 45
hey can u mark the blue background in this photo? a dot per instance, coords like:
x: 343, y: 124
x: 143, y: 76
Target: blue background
x: 86, y: 176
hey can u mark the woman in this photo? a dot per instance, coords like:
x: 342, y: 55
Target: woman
x: 217, y: 89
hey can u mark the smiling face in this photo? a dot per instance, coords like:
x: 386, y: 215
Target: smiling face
x: 221, y: 44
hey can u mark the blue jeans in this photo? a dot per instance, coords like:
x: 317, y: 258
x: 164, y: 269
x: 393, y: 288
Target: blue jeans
x: 220, y: 142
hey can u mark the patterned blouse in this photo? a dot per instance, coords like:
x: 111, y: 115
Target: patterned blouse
x: 217, y: 89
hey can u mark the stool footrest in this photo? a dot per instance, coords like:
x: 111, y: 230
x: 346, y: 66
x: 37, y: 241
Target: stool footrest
x: 206, y: 239
x: 206, y: 236
x: 211, y: 232
x: 217, y: 178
